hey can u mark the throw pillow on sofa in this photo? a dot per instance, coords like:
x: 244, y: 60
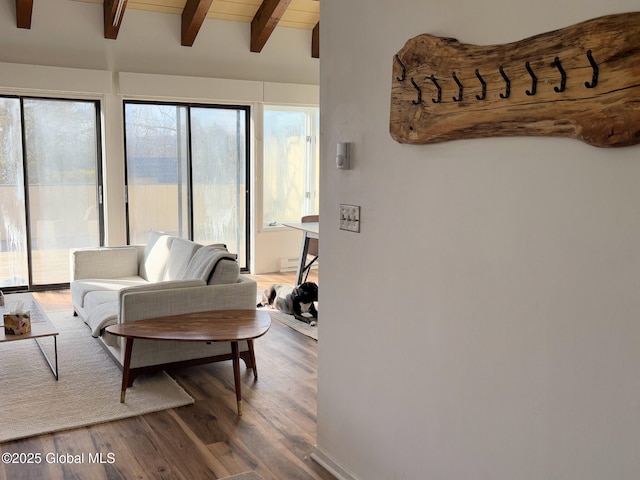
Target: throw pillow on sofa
x: 180, y: 255
x: 156, y: 254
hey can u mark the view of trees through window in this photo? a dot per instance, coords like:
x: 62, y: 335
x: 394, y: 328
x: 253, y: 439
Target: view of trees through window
x: 54, y: 145
x: 187, y: 173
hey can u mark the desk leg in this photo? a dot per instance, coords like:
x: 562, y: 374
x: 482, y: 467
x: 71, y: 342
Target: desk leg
x: 125, y: 368
x: 236, y: 374
x: 303, y: 258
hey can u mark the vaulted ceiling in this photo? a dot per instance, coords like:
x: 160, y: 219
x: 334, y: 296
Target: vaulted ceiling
x: 264, y: 16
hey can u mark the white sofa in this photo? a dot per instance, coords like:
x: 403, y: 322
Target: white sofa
x: 168, y: 276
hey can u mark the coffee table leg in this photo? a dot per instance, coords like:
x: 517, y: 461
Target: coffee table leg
x: 125, y: 368
x: 236, y: 374
x: 252, y: 355
x: 55, y: 351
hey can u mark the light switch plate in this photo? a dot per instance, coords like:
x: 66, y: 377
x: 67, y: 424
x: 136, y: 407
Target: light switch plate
x: 350, y: 218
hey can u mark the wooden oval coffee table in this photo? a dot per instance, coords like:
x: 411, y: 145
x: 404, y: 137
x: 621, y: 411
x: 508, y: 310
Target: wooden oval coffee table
x: 212, y: 326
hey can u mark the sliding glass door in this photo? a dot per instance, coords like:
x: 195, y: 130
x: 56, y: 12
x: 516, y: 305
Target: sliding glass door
x: 61, y: 139
x: 157, y: 176
x: 187, y: 173
x: 14, y: 269
x: 219, y: 159
x: 50, y: 177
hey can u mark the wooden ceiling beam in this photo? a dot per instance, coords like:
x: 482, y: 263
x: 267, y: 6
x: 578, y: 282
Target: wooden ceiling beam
x: 113, y: 14
x: 193, y: 15
x: 315, y: 41
x: 265, y: 21
x: 24, y: 10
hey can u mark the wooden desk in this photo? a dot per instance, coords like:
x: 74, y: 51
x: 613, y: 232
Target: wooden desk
x: 310, y: 230
x: 213, y: 326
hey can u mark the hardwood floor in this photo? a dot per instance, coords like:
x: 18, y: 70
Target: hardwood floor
x: 288, y: 278
x: 207, y: 440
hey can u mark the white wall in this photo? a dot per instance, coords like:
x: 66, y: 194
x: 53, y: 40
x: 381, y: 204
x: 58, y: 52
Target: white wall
x: 484, y: 323
x: 64, y: 54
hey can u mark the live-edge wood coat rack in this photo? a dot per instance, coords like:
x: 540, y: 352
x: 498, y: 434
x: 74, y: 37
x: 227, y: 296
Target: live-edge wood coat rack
x: 582, y: 82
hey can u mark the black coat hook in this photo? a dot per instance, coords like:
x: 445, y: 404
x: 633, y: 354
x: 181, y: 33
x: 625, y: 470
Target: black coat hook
x: 435, y: 82
x: 459, y: 98
x: 404, y: 70
x: 594, y: 65
x: 419, y: 101
x: 484, y: 86
x: 507, y: 94
x: 563, y: 82
x: 534, y: 80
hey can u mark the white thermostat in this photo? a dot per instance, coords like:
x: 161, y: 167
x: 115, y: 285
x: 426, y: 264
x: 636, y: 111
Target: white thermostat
x: 343, y: 157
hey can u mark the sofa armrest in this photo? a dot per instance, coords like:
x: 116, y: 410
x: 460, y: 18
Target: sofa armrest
x: 140, y: 304
x: 103, y: 262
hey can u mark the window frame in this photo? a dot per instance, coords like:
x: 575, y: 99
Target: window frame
x: 247, y: 109
x: 99, y: 185
x: 311, y: 162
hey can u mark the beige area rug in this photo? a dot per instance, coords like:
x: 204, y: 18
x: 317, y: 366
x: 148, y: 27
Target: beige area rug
x: 244, y: 476
x: 88, y: 392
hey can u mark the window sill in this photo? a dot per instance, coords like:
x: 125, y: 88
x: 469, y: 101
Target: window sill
x: 274, y: 227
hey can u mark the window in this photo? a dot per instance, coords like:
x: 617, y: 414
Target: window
x: 187, y: 173
x: 290, y: 163
x: 49, y: 187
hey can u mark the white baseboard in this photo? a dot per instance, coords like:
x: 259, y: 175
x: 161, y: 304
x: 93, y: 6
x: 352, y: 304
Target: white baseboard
x: 330, y: 465
x: 290, y: 264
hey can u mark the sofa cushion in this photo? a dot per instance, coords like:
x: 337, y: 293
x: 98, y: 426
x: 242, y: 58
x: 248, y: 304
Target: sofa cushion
x: 205, y: 261
x: 156, y: 255
x: 80, y: 288
x: 104, y: 262
x: 180, y: 254
x: 98, y: 297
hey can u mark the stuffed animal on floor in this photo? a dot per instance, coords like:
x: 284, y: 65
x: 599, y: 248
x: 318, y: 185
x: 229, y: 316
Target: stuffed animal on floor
x: 296, y: 301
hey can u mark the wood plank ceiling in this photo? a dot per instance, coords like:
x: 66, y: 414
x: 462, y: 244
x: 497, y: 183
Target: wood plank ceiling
x: 264, y: 16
